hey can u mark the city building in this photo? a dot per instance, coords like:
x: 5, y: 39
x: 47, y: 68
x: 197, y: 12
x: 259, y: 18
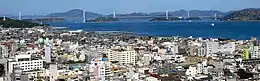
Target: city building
x: 100, y: 69
x: 245, y: 54
x: 254, y: 52
x: 24, y: 62
x: 122, y: 56
x: 47, y: 54
x: 228, y: 48
x: 208, y: 49
x: 53, y: 72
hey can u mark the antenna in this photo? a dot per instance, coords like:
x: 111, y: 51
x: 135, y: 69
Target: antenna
x: 84, y: 16
x: 215, y: 16
x: 20, y: 18
x: 167, y: 15
x: 114, y: 14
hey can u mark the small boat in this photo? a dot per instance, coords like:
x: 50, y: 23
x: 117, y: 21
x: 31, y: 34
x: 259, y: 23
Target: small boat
x: 212, y: 24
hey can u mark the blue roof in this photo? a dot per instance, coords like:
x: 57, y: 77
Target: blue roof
x: 104, y: 59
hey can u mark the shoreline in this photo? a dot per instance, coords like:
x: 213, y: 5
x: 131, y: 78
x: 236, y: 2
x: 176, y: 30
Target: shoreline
x: 242, y: 21
x: 145, y: 35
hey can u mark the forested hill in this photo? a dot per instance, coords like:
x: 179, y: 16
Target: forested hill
x: 10, y: 23
x: 245, y: 14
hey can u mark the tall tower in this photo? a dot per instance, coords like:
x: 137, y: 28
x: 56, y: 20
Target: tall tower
x: 167, y: 15
x: 84, y: 16
x: 20, y: 18
x: 47, y: 53
x: 215, y: 16
x: 114, y: 14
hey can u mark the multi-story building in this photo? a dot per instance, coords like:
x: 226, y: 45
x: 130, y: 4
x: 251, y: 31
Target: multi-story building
x: 122, y: 56
x: 100, y: 69
x: 191, y: 72
x: 254, y: 52
x: 4, y: 51
x: 47, y: 54
x: 24, y: 62
x: 245, y: 54
x: 147, y: 59
x: 172, y: 47
x: 53, y: 72
x: 227, y: 47
x: 202, y: 67
x: 208, y: 49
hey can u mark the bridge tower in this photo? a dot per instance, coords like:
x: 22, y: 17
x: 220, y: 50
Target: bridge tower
x: 215, y: 16
x: 19, y: 15
x: 167, y: 15
x: 114, y: 14
x: 84, y: 16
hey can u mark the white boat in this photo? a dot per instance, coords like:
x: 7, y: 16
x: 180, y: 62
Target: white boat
x: 212, y: 24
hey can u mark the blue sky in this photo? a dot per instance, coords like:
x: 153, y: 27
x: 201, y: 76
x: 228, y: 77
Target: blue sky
x: 30, y: 7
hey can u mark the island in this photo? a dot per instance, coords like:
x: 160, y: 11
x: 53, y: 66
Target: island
x: 174, y: 19
x: 193, y: 18
x: 250, y: 14
x: 103, y: 19
x: 51, y: 20
x: 10, y: 23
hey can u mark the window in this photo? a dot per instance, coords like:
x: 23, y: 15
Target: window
x: 17, y: 79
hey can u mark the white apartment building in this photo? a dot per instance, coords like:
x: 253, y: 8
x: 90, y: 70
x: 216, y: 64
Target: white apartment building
x: 254, y: 52
x: 24, y: 62
x: 100, y: 69
x: 177, y: 58
x: 202, y: 67
x: 209, y: 48
x: 122, y: 56
x: 191, y: 72
x: 227, y: 47
x: 147, y: 58
x: 53, y: 72
x: 172, y: 47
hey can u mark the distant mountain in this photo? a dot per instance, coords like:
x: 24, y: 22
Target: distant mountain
x: 245, y: 14
x: 75, y: 13
x: 130, y: 14
x: 46, y: 20
x: 193, y: 13
x: 32, y: 16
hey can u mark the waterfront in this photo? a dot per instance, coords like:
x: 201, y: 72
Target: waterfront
x: 233, y: 30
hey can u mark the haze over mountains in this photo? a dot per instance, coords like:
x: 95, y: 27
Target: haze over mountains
x: 78, y: 13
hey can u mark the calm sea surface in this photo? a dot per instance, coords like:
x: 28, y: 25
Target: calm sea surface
x: 234, y: 30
